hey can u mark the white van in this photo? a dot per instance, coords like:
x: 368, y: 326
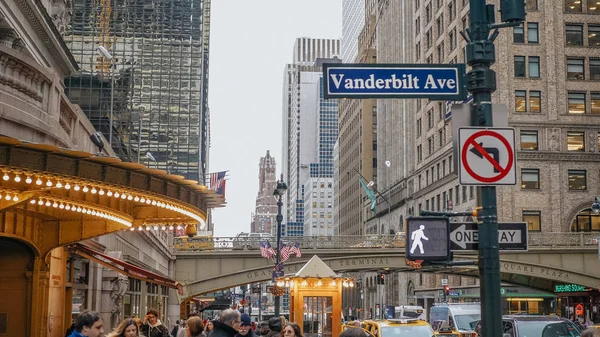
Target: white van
x: 252, y: 240
x: 459, y: 316
x: 410, y: 311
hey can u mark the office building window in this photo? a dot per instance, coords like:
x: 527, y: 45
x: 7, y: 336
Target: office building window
x: 519, y: 34
x: 464, y: 194
x: 535, y: 101
x: 577, y: 180
x: 534, y: 66
x: 529, y: 140
x: 575, y: 69
x: 521, y: 101
x: 530, y: 179
x: 440, y: 51
x: 419, y: 153
x: 418, y: 50
x: 574, y: 35
x: 532, y: 5
x: 593, y: 6
x: 573, y: 6
x: 428, y: 38
x: 441, y: 138
x: 533, y: 34
x: 593, y: 36
x: 575, y: 141
x: 576, y: 103
x: 430, y: 145
x: 452, y: 37
x: 533, y: 220
x: 595, y: 69
x: 595, y: 103
x: 430, y: 119
x: 418, y: 25
x: 419, y: 127
x: 440, y: 25
x: 520, y: 66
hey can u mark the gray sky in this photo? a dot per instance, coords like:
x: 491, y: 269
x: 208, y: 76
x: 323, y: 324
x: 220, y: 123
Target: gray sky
x: 250, y: 42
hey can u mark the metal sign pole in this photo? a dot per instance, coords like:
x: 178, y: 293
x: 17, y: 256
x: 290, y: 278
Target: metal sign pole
x: 481, y: 83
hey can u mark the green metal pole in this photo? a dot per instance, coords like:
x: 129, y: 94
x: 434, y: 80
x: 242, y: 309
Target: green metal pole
x: 481, y: 82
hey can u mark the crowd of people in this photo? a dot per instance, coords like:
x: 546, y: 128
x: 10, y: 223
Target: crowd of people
x: 230, y: 323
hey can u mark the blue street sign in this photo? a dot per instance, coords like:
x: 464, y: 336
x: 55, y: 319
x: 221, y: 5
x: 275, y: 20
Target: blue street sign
x: 277, y: 274
x: 432, y: 81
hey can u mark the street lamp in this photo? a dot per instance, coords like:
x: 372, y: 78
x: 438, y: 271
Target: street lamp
x: 104, y: 52
x: 279, y: 192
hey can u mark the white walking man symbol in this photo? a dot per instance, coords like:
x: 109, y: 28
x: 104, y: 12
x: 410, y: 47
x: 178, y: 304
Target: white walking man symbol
x: 416, y: 237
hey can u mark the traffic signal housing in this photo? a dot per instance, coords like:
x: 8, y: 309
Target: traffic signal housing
x: 380, y: 278
x: 447, y: 290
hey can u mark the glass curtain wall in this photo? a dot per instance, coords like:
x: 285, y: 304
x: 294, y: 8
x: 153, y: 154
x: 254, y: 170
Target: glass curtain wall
x: 153, y: 84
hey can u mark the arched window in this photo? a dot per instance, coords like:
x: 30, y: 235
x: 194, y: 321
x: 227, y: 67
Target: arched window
x: 586, y: 221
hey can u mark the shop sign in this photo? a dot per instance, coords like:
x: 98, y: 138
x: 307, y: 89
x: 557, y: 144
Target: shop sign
x: 570, y: 288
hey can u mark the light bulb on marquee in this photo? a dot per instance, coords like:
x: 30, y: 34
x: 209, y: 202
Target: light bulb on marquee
x: 59, y: 184
x: 17, y: 179
x: 109, y: 193
x: 15, y: 198
x: 5, y: 177
x: 49, y: 183
x: 76, y: 187
x: 28, y: 180
x: 85, y: 189
x: 67, y: 186
x: 38, y: 182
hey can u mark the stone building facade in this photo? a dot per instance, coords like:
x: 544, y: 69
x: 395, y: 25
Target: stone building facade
x: 547, y: 76
x: 264, y: 218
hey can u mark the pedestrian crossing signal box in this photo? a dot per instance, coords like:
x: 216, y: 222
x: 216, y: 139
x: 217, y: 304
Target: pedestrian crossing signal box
x: 428, y: 238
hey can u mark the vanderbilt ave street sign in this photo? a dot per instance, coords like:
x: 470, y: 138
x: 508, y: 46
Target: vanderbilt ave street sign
x: 432, y: 81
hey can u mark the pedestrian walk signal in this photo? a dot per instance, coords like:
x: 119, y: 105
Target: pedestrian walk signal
x: 427, y: 238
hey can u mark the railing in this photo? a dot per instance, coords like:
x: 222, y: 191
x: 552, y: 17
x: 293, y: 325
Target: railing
x: 199, y: 244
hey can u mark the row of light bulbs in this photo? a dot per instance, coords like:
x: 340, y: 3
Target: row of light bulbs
x: 79, y: 209
x: 29, y: 179
x: 8, y: 196
x: 156, y: 227
x: 304, y: 283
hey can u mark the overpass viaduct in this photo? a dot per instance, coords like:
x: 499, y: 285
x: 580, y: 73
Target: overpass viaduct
x: 553, y: 258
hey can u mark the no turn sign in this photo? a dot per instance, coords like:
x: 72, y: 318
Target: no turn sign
x: 487, y: 156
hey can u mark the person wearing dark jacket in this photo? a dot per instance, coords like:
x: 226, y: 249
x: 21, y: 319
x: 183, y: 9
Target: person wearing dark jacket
x: 275, y: 327
x: 152, y: 326
x: 227, y: 325
x: 246, y: 327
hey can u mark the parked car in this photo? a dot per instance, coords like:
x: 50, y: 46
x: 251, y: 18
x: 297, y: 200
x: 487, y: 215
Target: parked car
x: 248, y: 241
x: 536, y: 326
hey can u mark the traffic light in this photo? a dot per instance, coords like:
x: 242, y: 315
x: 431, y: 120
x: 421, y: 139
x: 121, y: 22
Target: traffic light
x: 476, y: 212
x: 446, y: 290
x: 380, y: 278
x: 512, y: 10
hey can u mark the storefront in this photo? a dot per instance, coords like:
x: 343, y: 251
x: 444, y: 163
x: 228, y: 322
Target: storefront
x: 515, y: 299
x: 578, y: 303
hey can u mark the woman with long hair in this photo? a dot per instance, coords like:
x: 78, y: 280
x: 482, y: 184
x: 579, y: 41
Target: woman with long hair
x: 127, y: 328
x: 292, y: 330
x: 209, y: 328
x: 195, y: 327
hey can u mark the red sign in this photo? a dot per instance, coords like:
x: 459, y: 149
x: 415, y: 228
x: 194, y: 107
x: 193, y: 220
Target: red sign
x: 579, y: 309
x: 502, y: 171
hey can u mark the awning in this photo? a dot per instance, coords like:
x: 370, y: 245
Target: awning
x: 122, y: 267
x: 216, y: 307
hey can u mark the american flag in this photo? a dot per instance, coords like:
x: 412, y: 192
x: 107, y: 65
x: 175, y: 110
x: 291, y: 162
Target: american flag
x: 216, y: 179
x: 263, y: 250
x: 270, y: 252
x: 284, y: 250
x: 295, y: 249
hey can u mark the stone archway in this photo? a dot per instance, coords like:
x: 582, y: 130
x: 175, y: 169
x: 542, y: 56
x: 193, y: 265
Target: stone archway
x: 17, y: 261
x: 567, y: 226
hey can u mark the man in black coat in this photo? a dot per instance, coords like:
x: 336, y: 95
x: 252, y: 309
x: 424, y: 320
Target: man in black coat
x: 152, y: 326
x: 227, y: 325
x: 246, y: 327
x: 275, y: 327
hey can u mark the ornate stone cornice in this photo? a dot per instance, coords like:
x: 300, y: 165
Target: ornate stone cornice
x: 42, y: 24
x: 577, y: 157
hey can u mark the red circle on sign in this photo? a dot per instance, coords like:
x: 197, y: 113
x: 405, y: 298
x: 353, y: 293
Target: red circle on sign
x: 503, y: 172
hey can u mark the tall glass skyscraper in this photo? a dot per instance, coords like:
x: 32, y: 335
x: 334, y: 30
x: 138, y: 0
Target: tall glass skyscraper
x: 156, y: 83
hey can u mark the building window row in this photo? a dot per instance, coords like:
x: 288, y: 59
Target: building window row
x: 533, y: 33
x: 578, y: 102
x: 524, y: 64
x: 582, y: 6
x: 532, y: 104
x: 576, y: 68
x: 530, y: 179
x: 574, y: 35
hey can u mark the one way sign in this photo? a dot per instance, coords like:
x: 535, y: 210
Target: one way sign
x: 511, y: 236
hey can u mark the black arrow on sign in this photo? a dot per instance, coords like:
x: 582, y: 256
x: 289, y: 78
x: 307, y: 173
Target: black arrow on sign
x: 493, y: 151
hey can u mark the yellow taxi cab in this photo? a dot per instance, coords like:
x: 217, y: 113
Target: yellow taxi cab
x: 394, y: 327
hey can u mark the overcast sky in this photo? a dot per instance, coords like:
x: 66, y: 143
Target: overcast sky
x: 250, y: 43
